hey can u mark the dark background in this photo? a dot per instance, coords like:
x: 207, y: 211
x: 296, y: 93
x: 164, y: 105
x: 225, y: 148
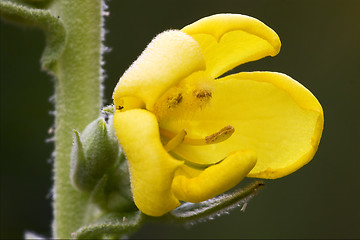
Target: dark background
x: 320, y: 48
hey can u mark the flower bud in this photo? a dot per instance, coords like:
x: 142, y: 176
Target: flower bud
x: 94, y: 153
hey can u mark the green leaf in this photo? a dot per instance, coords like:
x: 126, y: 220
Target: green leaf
x: 111, y: 225
x: 191, y: 213
x: 52, y: 25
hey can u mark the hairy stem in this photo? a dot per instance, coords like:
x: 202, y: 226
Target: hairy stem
x: 77, y: 101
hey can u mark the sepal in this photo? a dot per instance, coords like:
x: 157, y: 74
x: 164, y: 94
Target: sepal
x: 111, y: 193
x: 109, y: 109
x: 191, y: 213
x: 99, y: 167
x: 78, y: 174
x: 94, y: 153
x: 120, y: 179
x: 99, y: 144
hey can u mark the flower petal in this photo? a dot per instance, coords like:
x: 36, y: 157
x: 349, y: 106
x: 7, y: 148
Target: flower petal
x: 151, y: 167
x: 215, y: 179
x: 272, y: 114
x: 228, y: 40
x: 170, y: 57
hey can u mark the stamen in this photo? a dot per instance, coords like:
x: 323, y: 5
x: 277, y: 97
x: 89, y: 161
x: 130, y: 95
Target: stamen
x: 221, y: 135
x: 217, y: 137
x: 175, y: 141
x: 202, y: 94
x: 173, y: 101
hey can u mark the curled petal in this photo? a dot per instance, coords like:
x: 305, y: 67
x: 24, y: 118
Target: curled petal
x: 170, y: 57
x: 228, y: 40
x: 151, y: 167
x: 272, y: 114
x: 215, y: 179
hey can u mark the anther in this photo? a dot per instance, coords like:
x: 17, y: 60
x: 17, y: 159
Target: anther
x: 202, y: 94
x: 221, y: 135
x: 174, y: 100
x: 217, y: 137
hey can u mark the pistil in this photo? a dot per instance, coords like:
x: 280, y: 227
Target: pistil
x: 175, y: 141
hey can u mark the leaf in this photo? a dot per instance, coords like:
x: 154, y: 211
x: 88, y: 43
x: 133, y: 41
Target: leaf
x: 111, y: 225
x: 192, y: 213
x: 52, y: 25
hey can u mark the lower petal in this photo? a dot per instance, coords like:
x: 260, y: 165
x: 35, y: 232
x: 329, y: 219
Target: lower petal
x: 215, y: 179
x: 272, y: 114
x: 151, y: 167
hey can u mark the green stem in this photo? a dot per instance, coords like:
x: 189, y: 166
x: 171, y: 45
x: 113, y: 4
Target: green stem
x: 77, y: 99
x: 73, y: 31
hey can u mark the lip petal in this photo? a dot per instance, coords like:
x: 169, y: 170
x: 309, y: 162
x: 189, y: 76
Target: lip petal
x: 272, y: 114
x: 215, y: 179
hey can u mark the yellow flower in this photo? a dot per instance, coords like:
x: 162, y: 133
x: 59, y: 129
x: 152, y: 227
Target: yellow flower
x: 189, y: 135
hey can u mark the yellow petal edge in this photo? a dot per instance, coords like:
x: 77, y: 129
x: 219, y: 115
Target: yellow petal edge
x: 304, y: 99
x: 228, y: 40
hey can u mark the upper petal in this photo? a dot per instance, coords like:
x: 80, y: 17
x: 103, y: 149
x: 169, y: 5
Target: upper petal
x: 151, y: 167
x: 170, y: 57
x: 228, y: 40
x: 272, y: 114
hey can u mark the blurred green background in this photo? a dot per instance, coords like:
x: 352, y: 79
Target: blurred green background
x: 320, y: 48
